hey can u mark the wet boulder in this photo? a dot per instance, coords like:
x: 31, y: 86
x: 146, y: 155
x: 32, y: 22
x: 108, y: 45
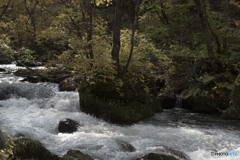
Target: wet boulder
x: 156, y: 156
x: 124, y: 146
x: 2, y: 70
x: 26, y: 148
x: 177, y: 153
x: 75, y: 155
x: 68, y: 126
x: 233, y: 112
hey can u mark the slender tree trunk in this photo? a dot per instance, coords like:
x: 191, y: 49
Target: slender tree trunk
x: 117, y: 34
x: 90, y: 33
x: 226, y: 39
x: 31, y: 18
x: 134, y: 24
x: 88, y: 25
x: 74, y: 23
x: 210, y: 37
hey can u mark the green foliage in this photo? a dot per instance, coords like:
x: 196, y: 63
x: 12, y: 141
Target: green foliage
x: 7, y: 150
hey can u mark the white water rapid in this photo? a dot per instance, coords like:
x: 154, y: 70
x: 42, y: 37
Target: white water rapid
x: 34, y: 110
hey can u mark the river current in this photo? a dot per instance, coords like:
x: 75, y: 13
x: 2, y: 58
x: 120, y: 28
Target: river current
x: 34, y: 110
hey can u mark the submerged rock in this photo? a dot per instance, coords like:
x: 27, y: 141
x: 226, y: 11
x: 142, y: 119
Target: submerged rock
x: 125, y: 147
x: 68, y: 126
x: 75, y: 155
x: 26, y: 148
x: 156, y: 156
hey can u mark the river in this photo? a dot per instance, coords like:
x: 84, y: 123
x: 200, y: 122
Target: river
x: 34, y: 110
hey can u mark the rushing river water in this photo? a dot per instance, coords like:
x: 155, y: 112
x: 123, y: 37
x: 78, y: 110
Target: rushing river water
x: 34, y: 110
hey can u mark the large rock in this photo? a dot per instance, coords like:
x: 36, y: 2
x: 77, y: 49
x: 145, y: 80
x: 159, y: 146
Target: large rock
x: 197, y: 100
x: 115, y: 112
x: 166, y: 153
x: 75, y: 155
x: 236, y: 94
x: 204, y: 99
x: 26, y: 148
x: 233, y: 112
x: 156, y: 156
x: 68, y: 126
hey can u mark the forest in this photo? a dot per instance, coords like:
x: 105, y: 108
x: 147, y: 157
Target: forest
x: 127, y: 59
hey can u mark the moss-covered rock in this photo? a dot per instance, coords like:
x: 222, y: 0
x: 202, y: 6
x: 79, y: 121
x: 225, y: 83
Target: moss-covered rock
x: 233, y: 112
x: 208, y: 93
x: 26, y: 148
x: 116, y: 111
x: 75, y: 155
x: 156, y: 156
x: 197, y: 100
x: 236, y: 94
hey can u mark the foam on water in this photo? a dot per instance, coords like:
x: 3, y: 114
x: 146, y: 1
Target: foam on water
x: 37, y: 117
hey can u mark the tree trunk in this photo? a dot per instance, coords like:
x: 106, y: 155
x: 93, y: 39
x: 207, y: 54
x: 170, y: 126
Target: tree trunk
x: 90, y: 33
x: 134, y: 24
x: 226, y: 39
x: 117, y: 34
x: 87, y: 8
x: 31, y: 18
x: 210, y: 37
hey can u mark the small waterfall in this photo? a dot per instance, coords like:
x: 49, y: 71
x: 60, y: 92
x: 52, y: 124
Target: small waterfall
x: 178, y: 103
